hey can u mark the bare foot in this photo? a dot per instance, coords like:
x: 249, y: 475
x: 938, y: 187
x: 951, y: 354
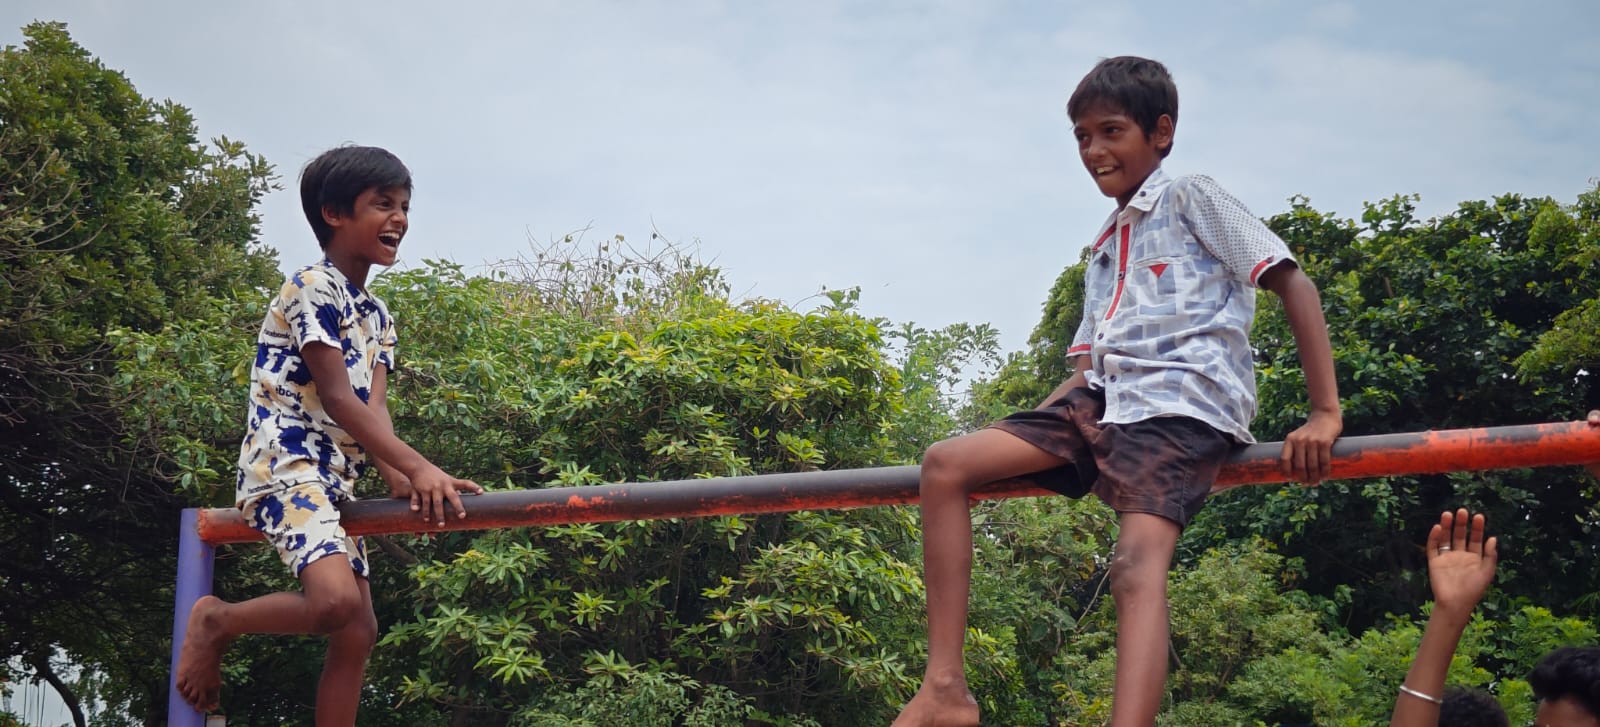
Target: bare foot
x: 200, y: 662
x: 951, y: 706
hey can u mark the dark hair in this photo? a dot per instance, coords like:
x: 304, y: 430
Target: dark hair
x: 1138, y: 87
x: 1570, y: 671
x: 1471, y: 708
x: 337, y: 176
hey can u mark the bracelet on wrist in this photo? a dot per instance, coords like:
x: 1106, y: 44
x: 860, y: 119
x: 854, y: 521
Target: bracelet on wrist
x: 1419, y: 695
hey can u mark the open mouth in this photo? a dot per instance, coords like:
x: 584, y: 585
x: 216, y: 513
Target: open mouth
x: 390, y: 240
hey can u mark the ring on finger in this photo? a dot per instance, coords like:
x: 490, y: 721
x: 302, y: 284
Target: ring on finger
x: 1443, y: 548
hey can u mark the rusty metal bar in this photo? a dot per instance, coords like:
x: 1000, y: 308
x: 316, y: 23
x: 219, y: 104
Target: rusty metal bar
x: 1531, y: 445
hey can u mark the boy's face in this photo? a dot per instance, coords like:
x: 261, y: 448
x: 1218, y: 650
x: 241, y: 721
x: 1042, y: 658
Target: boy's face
x: 372, y: 231
x: 1118, y: 154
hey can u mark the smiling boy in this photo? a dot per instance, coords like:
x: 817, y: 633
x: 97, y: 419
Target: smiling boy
x: 317, y: 407
x: 1163, y: 389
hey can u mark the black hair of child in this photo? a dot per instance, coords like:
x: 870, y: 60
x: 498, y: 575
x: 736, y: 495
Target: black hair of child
x: 1570, y: 671
x: 1471, y: 708
x: 1138, y: 87
x: 337, y: 176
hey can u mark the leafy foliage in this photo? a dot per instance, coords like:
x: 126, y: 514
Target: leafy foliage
x: 113, y: 217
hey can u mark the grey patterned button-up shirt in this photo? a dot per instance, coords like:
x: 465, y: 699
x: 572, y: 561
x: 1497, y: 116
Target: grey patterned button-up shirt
x: 1169, y: 298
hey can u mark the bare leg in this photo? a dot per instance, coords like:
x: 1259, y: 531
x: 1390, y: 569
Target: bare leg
x: 330, y: 600
x: 950, y: 470
x: 345, y: 668
x: 1139, y: 585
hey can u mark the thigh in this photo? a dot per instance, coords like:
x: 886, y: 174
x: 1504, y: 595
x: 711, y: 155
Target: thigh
x: 1164, y: 466
x: 988, y: 455
x: 302, y: 522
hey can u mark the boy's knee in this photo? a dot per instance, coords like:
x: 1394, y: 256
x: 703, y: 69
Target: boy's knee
x: 941, y: 469
x: 332, y: 612
x: 360, y: 633
x: 1136, y: 576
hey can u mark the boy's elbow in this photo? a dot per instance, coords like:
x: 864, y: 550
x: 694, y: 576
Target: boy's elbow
x: 1288, y: 281
x: 339, y: 405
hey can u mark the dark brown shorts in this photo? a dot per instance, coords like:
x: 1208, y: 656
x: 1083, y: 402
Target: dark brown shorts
x: 1163, y: 466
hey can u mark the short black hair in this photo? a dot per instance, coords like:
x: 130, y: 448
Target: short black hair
x: 1570, y: 671
x: 1138, y: 87
x: 1471, y: 708
x: 337, y: 176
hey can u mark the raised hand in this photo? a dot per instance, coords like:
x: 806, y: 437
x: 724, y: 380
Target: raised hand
x: 1460, y: 562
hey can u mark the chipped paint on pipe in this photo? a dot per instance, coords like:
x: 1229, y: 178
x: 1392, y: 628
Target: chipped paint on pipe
x: 1530, y: 445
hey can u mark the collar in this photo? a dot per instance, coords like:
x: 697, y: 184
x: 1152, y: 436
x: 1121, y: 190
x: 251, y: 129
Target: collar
x: 1144, y: 200
x: 340, y: 278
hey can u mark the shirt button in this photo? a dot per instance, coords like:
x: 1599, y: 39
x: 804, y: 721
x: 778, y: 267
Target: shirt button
x: 1100, y: 337
x: 1112, y: 377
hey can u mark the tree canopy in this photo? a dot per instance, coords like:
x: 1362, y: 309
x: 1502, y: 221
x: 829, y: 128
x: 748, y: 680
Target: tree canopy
x: 113, y: 217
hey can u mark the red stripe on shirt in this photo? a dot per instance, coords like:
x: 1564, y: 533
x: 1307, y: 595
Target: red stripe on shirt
x: 1122, y: 269
x: 1102, y: 240
x: 1255, y: 272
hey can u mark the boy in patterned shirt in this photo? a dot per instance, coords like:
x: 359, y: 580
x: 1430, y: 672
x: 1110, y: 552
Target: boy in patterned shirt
x: 317, y: 406
x: 1163, y: 389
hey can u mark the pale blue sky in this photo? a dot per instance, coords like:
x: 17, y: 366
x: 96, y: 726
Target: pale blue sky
x: 918, y: 150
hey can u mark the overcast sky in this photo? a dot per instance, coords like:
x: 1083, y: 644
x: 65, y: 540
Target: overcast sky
x: 917, y: 150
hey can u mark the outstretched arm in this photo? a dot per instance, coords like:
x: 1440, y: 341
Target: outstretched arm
x: 1460, y: 566
x: 378, y: 402
x: 1308, y: 451
x: 432, y: 486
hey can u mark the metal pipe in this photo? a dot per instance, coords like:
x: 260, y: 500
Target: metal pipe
x: 1530, y: 445
x: 194, y: 581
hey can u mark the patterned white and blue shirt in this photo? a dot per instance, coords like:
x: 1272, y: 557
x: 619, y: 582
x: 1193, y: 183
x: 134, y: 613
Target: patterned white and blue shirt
x: 1169, y: 298
x: 290, y: 439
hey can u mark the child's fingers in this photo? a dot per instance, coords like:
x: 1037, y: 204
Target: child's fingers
x: 455, y: 501
x: 1436, y: 540
x: 1323, y: 454
x: 1491, y: 552
x: 439, y: 498
x: 1458, y: 534
x: 1475, y: 533
x: 469, y: 486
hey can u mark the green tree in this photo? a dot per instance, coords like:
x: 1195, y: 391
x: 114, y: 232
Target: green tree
x: 1428, y: 320
x: 113, y: 216
x: 579, y: 366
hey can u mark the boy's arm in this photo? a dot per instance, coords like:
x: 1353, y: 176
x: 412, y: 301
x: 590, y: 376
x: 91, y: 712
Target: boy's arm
x: 1308, y: 451
x: 433, y: 487
x: 1077, y: 380
x: 1460, y: 567
x: 378, y: 401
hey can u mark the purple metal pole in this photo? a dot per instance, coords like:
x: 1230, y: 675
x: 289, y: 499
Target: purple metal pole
x: 194, y: 581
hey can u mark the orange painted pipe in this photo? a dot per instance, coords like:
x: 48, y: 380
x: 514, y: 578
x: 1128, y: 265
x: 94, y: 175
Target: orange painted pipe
x: 1452, y: 450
